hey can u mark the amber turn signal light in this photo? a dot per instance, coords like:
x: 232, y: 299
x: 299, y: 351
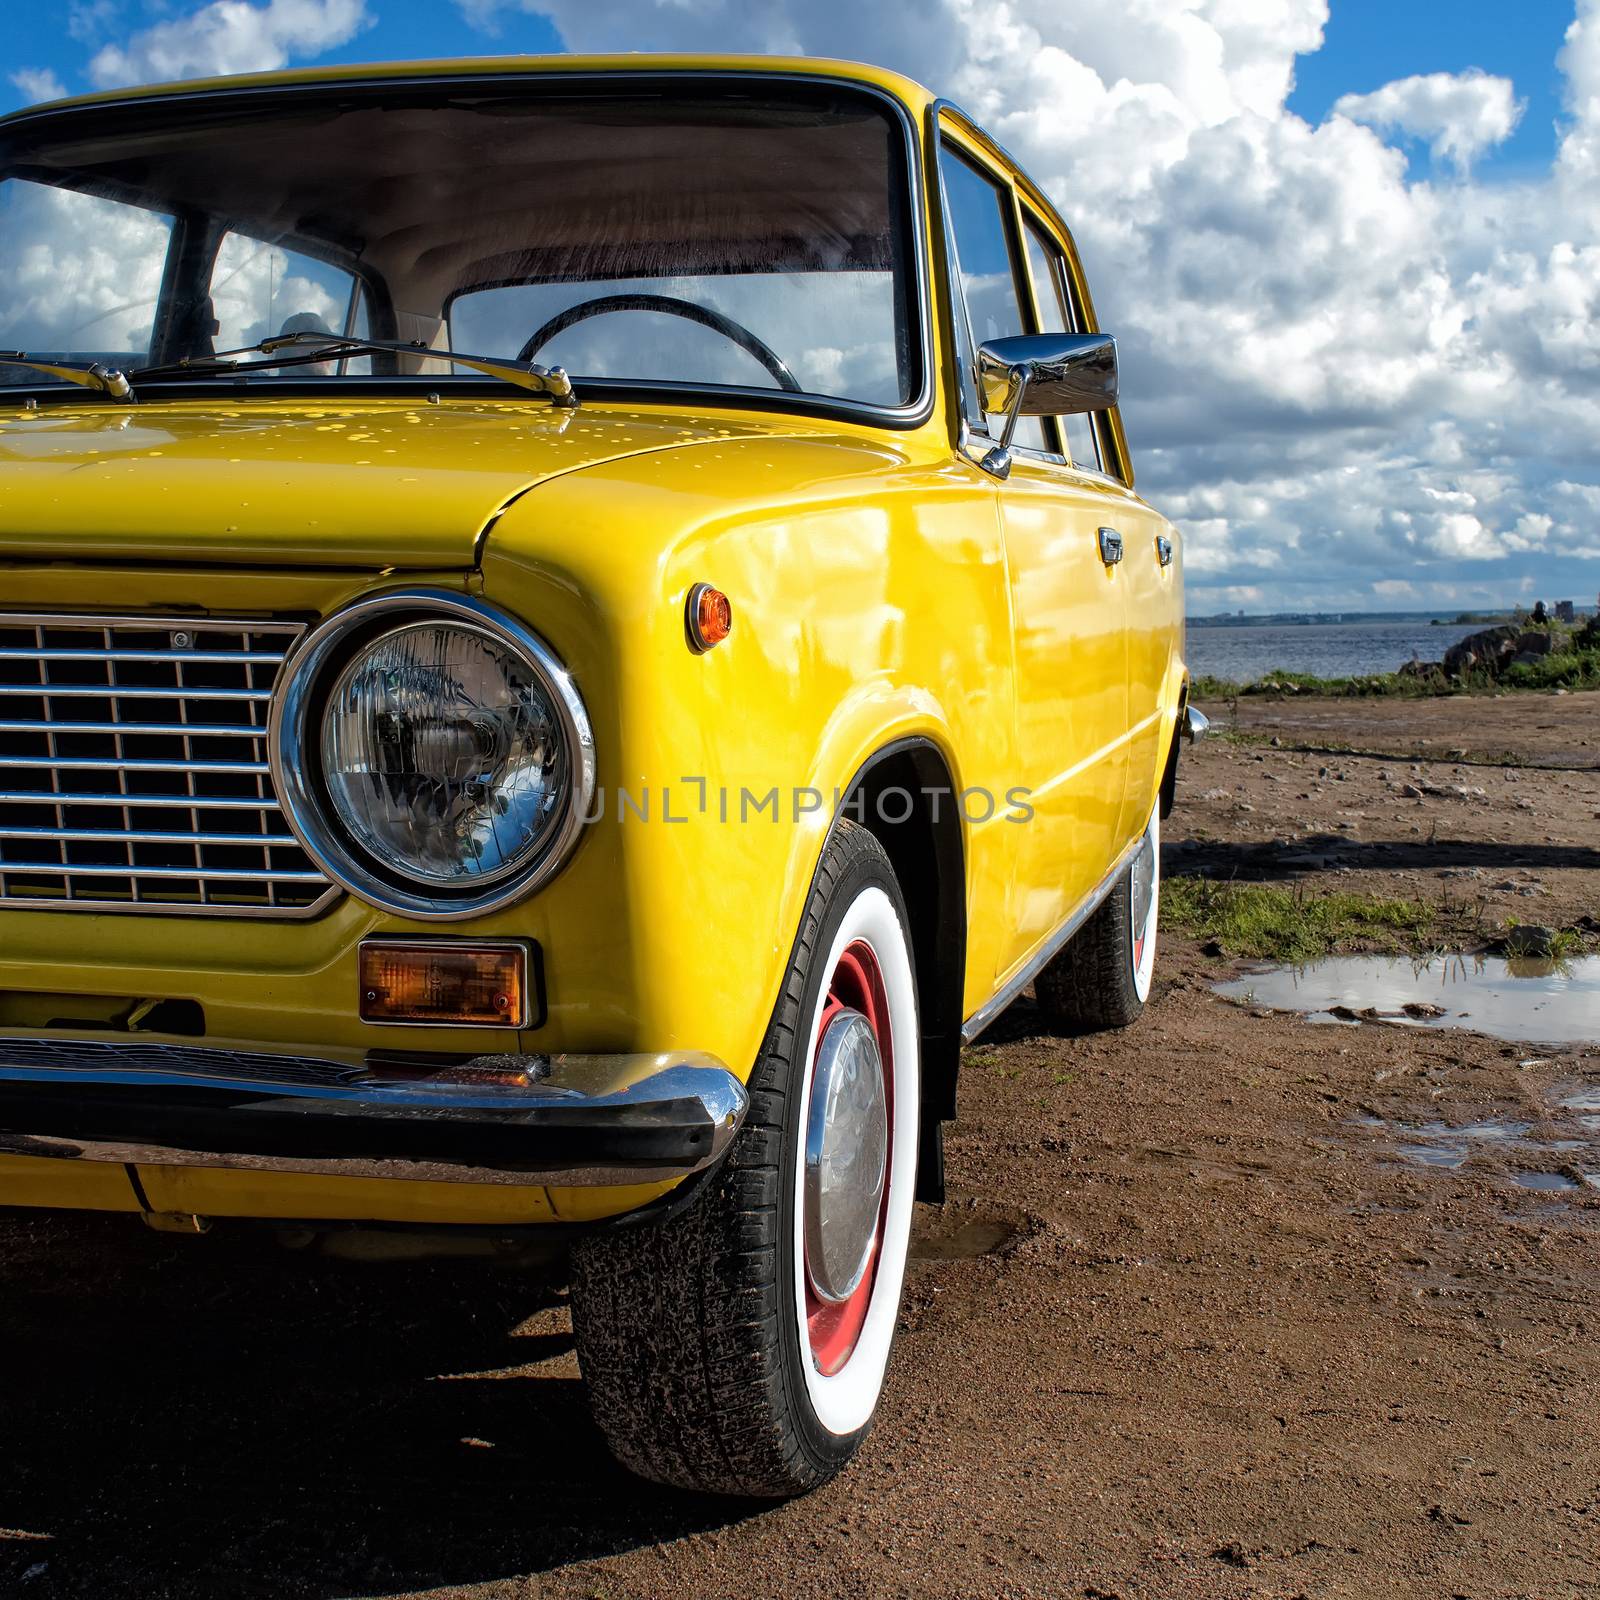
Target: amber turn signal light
x: 709, y: 615
x: 456, y: 984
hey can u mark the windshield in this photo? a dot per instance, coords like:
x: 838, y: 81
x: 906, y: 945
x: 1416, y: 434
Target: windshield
x: 743, y: 234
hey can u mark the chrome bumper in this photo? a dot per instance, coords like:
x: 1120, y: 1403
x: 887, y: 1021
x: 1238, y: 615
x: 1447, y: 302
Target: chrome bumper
x: 560, y: 1120
x: 1196, y: 724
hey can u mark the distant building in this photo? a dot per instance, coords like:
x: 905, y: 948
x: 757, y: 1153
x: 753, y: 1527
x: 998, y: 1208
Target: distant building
x: 1564, y: 611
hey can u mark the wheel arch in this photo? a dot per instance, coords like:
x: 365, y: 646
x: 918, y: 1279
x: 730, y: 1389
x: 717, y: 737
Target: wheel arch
x: 1169, y: 772
x: 927, y: 848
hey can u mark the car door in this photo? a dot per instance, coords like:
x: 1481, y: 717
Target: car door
x: 1068, y: 604
x: 1096, y: 448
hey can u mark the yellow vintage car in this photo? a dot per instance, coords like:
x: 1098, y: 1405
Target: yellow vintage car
x: 570, y: 629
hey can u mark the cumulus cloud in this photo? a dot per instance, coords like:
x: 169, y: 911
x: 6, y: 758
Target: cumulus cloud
x: 1338, y: 374
x: 38, y: 83
x: 228, y: 36
x: 1460, y: 114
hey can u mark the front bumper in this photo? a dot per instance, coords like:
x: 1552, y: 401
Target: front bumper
x: 569, y: 1120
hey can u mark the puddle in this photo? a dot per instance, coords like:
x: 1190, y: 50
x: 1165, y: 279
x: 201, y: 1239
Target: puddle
x: 1544, y: 1002
x: 1512, y: 1142
x: 1433, y: 1155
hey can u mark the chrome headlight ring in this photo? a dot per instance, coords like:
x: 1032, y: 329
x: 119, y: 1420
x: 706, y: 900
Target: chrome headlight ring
x: 295, y: 739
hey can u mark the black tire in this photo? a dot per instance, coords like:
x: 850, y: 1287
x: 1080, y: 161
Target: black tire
x: 687, y: 1331
x: 1094, y: 982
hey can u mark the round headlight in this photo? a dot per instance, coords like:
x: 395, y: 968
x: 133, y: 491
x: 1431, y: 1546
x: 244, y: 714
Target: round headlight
x: 443, y: 756
x: 435, y: 765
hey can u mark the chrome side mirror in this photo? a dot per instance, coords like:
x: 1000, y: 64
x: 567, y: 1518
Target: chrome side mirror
x: 1044, y: 375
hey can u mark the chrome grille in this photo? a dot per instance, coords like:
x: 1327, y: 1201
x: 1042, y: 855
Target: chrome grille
x: 133, y: 768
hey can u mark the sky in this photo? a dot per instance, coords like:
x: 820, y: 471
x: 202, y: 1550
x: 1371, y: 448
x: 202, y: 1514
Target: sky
x: 1351, y: 248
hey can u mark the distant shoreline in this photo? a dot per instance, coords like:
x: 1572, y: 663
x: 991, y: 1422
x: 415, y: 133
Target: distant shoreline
x: 1336, y: 619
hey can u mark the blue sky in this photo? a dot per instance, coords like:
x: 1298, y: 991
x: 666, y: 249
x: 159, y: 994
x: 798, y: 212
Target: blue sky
x: 1350, y: 248
x: 1370, y: 42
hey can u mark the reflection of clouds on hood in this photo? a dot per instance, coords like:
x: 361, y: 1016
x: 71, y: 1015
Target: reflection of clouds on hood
x: 1313, y: 338
x: 80, y: 273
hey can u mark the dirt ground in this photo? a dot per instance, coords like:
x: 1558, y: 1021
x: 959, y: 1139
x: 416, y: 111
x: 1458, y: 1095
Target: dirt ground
x: 1191, y: 1324
x: 1490, y: 806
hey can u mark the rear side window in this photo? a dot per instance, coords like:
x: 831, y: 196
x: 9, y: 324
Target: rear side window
x: 261, y: 289
x: 1059, y: 314
x: 980, y: 217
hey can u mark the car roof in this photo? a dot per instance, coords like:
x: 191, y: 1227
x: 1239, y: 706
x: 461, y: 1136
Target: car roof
x: 906, y: 90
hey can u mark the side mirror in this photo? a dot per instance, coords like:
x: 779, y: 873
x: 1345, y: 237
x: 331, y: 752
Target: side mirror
x: 1044, y: 375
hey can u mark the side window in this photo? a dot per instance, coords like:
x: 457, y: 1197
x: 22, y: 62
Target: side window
x: 84, y: 275
x: 260, y: 290
x: 1058, y: 314
x: 980, y: 215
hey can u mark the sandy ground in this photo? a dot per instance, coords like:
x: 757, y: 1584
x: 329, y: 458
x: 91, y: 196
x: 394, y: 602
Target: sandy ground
x: 1189, y: 1325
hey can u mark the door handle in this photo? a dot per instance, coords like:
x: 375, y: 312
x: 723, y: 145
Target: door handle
x: 1110, y: 546
x: 1163, y: 550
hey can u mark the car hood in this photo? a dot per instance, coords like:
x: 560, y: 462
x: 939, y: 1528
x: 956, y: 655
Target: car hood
x: 377, y: 484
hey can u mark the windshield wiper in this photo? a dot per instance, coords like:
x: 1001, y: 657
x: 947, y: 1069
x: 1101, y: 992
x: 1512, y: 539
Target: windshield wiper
x: 86, y: 374
x: 318, y: 347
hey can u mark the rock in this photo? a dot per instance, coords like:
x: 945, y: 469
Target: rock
x: 1410, y: 791
x: 1215, y: 794
x: 1529, y: 939
x: 1487, y: 650
x: 1422, y: 1008
x: 1536, y: 643
x: 1212, y: 948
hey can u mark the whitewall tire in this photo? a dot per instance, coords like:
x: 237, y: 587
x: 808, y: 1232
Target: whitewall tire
x: 740, y: 1347
x: 1101, y: 978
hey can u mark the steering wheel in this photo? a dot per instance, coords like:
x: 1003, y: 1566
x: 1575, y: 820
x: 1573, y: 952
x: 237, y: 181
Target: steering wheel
x: 687, y: 309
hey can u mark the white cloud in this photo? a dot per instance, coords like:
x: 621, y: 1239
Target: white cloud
x: 230, y: 36
x: 1461, y: 115
x: 38, y: 83
x: 89, y: 20
x: 1336, y: 374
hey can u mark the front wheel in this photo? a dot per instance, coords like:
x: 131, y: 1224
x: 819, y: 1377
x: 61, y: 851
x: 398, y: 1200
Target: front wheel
x: 741, y: 1347
x: 1101, y: 979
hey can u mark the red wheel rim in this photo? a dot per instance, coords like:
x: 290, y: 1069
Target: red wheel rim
x: 833, y: 1329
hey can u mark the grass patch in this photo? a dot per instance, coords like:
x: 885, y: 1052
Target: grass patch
x: 1394, y: 685
x: 1275, y: 924
x: 1573, y: 668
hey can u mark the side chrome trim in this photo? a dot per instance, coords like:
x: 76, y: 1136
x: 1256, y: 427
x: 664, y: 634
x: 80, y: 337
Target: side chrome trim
x: 1196, y: 724
x: 1042, y: 956
x: 567, y: 1120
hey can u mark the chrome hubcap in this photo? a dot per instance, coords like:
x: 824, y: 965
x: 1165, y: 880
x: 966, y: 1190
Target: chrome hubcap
x: 847, y: 1156
x: 1144, y: 884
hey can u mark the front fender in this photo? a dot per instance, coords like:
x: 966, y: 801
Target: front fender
x: 869, y: 607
